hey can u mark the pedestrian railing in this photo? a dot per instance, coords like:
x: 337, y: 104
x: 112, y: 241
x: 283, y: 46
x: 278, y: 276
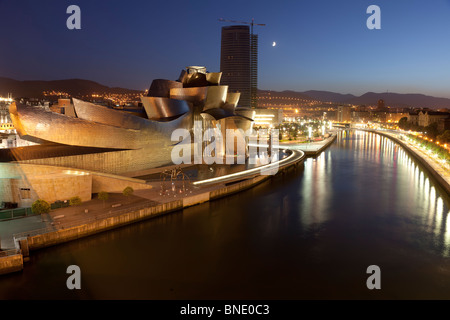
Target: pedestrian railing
x: 8, y: 214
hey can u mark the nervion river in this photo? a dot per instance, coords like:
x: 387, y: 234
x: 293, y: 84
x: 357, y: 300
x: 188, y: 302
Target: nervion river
x: 309, y: 234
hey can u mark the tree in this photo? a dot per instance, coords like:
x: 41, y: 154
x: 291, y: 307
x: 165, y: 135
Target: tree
x: 40, y: 206
x: 403, y: 123
x: 445, y: 137
x: 103, y: 195
x: 75, y: 201
x: 128, y: 191
x: 432, y: 130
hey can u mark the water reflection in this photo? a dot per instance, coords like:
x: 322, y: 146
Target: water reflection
x: 316, y: 190
x: 310, y: 233
x: 404, y: 182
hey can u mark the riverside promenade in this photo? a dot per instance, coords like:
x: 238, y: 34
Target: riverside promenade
x: 440, y: 171
x: 19, y: 237
x: 311, y: 149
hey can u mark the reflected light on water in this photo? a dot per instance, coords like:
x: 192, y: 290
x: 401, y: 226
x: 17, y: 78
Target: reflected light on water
x: 405, y: 183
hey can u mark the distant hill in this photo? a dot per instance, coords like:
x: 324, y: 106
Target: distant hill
x: 414, y: 100
x: 402, y: 100
x: 327, y: 96
x: 286, y: 94
x: 80, y: 87
x: 74, y: 87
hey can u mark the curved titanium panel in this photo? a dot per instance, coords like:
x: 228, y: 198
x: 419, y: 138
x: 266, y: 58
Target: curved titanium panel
x: 101, y: 114
x: 219, y: 113
x: 228, y: 107
x: 50, y: 126
x: 196, y: 79
x: 157, y: 107
x: 215, y: 97
x: 233, y: 98
x: 161, y: 87
x: 194, y: 95
x: 245, y: 122
x: 231, y: 101
x: 214, y: 77
x: 245, y: 112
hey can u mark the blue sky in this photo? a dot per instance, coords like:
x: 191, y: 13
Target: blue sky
x: 321, y: 45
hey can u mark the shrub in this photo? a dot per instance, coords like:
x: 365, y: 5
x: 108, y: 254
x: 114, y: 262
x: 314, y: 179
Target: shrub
x: 128, y: 191
x: 75, y: 201
x: 103, y: 195
x: 40, y: 206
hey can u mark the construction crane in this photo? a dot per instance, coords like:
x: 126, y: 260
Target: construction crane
x: 244, y: 22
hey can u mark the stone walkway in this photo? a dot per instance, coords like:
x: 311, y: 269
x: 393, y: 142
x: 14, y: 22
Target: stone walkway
x: 97, y: 209
x: 310, y: 148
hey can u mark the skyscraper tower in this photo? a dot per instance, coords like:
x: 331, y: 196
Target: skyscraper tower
x: 239, y: 61
x: 253, y: 70
x: 235, y: 62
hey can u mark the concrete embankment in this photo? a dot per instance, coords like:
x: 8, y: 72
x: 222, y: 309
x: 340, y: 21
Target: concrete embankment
x: 311, y: 149
x: 425, y: 163
x: 50, y: 238
x: 46, y: 239
x: 38, y: 239
x: 10, y: 262
x: 313, y: 153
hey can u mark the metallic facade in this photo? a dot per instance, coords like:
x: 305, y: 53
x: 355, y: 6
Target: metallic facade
x: 170, y: 105
x: 161, y: 108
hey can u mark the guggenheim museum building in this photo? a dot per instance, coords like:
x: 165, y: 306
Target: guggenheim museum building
x: 97, y: 138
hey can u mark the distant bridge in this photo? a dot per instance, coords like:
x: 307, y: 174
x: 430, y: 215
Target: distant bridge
x: 341, y: 125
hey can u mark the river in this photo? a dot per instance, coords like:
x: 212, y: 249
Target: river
x: 308, y: 234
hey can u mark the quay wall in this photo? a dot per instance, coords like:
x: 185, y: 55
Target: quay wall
x: 439, y: 179
x: 11, y: 263
x: 58, y: 236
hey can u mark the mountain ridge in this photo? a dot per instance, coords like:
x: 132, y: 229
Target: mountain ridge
x: 77, y: 87
x: 404, y: 100
x: 74, y: 86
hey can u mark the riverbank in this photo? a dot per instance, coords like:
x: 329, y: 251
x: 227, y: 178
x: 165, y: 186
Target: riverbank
x: 436, y: 169
x: 311, y: 149
x: 67, y: 224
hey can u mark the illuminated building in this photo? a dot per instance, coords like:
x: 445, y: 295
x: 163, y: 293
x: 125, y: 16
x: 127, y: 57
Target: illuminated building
x: 344, y: 114
x: 96, y: 137
x: 235, y: 63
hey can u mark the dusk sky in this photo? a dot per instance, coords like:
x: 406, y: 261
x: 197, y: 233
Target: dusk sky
x: 321, y: 45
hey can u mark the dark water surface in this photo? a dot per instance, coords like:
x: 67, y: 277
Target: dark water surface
x: 309, y: 234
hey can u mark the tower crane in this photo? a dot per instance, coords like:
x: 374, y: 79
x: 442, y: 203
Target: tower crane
x: 245, y: 22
